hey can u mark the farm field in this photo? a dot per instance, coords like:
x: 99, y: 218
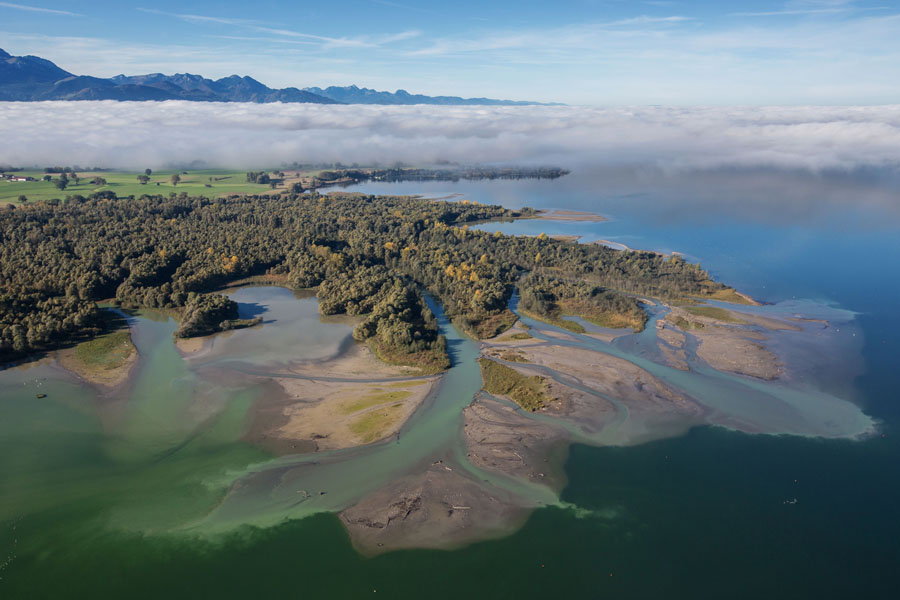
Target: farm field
x: 220, y: 182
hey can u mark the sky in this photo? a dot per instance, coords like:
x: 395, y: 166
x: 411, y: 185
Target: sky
x: 588, y: 52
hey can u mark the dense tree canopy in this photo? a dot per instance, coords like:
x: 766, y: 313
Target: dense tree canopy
x: 368, y: 256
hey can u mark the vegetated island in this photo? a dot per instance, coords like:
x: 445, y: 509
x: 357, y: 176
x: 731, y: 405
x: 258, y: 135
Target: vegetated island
x: 374, y: 257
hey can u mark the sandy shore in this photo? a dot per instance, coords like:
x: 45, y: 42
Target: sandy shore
x: 733, y: 345
x: 670, y: 342
x: 570, y: 215
x: 106, y: 377
x: 597, y: 397
x: 501, y: 438
x: 637, y: 390
x: 621, y: 246
x: 339, y: 403
x: 191, y: 346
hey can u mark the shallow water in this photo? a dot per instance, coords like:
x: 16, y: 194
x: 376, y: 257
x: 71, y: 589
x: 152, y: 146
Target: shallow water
x: 86, y: 478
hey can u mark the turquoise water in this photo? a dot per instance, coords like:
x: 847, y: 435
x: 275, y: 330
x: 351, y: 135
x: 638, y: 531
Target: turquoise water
x: 107, y: 498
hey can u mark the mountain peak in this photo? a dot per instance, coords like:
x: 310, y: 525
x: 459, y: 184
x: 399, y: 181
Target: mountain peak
x: 30, y: 78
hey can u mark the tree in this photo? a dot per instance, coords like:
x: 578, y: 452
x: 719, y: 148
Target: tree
x: 46, y: 178
x: 23, y: 199
x: 98, y: 181
x: 62, y: 184
x: 143, y: 178
x: 148, y: 172
x: 175, y: 179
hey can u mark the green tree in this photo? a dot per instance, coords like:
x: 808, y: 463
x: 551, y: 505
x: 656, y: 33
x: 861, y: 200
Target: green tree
x: 143, y: 178
x: 62, y: 183
x: 175, y: 179
x: 23, y: 199
x: 148, y: 172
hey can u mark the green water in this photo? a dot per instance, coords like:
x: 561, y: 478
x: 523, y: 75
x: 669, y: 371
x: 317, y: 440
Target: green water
x: 150, y: 492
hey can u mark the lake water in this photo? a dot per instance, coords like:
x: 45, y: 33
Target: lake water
x: 110, y: 496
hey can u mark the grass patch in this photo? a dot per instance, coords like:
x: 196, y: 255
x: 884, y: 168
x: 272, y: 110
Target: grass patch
x: 374, y: 425
x: 374, y: 399
x: 428, y: 363
x: 686, y: 325
x: 105, y: 352
x: 222, y: 182
x: 522, y: 335
x: 512, y: 356
x: 528, y: 392
x: 714, y: 312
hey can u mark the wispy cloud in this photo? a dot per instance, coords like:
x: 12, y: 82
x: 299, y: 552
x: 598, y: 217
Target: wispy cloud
x: 191, y: 18
x: 326, y: 42
x: 788, y: 12
x: 812, y: 8
x: 38, y: 9
x: 536, y: 41
x: 407, y: 7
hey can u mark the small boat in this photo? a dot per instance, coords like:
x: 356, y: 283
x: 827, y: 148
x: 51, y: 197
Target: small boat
x: 42, y: 395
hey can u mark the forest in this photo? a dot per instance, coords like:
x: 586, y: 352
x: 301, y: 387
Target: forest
x: 369, y: 256
x: 445, y: 174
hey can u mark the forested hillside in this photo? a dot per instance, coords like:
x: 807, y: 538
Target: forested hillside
x: 371, y: 256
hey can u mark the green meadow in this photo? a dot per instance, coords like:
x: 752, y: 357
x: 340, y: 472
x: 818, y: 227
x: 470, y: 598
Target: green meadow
x: 211, y: 183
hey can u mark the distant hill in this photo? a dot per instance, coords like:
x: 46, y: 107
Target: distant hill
x: 356, y: 95
x: 30, y: 78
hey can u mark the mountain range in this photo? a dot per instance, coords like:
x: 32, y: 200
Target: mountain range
x: 31, y: 78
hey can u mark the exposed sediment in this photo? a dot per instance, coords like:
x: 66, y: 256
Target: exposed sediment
x: 733, y: 343
x: 443, y: 507
x: 501, y: 438
x: 347, y: 401
x: 108, y: 376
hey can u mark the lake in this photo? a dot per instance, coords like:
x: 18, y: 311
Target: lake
x: 110, y: 496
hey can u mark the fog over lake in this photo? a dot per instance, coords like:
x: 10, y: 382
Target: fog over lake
x: 176, y: 133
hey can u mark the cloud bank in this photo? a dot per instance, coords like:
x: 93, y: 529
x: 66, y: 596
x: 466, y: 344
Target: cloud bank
x: 150, y: 134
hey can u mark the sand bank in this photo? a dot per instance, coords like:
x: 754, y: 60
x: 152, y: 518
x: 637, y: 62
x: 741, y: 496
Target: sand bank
x: 347, y: 401
x: 570, y: 215
x: 443, y: 507
x: 108, y: 370
x: 732, y: 343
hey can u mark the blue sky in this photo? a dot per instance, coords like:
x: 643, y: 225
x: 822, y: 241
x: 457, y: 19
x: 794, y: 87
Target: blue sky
x: 583, y: 52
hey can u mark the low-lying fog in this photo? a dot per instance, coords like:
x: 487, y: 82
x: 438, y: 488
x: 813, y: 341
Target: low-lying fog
x: 176, y: 133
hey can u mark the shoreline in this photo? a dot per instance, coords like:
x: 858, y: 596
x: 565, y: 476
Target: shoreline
x: 559, y: 214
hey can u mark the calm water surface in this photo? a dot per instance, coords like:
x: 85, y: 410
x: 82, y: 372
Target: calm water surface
x: 707, y: 515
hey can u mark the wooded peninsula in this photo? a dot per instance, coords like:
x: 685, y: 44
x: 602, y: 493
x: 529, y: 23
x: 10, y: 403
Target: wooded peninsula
x: 372, y: 256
